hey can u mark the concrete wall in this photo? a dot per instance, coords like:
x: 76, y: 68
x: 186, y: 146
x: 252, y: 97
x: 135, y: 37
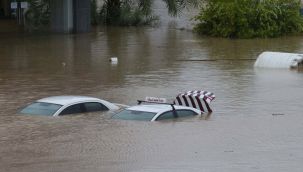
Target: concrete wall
x: 69, y: 16
x: 6, y: 6
x: 62, y: 16
x: 82, y: 21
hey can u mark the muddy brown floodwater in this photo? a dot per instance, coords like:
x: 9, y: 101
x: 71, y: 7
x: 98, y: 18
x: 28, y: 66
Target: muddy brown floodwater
x: 256, y: 124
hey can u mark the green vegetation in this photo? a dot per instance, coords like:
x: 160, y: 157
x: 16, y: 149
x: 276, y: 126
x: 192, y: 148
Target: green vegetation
x: 37, y: 17
x: 137, y: 12
x: 113, y: 12
x: 249, y: 18
x: 125, y: 13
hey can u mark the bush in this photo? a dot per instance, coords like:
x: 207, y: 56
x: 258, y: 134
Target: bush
x: 125, y: 13
x: 249, y: 18
x: 37, y: 17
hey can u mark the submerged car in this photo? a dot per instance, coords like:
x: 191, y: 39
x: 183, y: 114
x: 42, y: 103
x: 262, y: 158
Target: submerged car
x: 156, y: 112
x: 186, y: 104
x: 65, y: 105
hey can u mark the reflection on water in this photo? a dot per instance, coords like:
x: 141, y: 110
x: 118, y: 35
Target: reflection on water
x: 241, y: 134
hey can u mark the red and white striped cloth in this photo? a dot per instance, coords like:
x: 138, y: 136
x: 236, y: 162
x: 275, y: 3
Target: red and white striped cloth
x: 196, y: 99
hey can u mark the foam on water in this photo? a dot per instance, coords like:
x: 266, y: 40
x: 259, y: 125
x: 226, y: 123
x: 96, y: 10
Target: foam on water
x: 278, y: 60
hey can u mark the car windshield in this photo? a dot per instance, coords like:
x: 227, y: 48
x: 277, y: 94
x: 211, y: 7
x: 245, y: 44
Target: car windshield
x: 134, y: 115
x: 40, y: 108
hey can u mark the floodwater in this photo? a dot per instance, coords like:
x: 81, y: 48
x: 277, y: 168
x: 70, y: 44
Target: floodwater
x: 256, y: 124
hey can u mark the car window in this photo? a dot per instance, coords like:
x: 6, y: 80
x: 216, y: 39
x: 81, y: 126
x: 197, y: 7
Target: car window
x: 94, y: 106
x: 41, y: 108
x: 179, y: 114
x: 134, y: 115
x: 166, y: 115
x: 185, y: 113
x: 77, y: 108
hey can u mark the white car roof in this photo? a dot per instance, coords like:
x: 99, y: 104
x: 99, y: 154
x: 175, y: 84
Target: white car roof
x: 65, y: 100
x: 68, y: 100
x: 156, y: 108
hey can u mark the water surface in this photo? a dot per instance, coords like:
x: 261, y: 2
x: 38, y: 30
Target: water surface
x: 256, y: 124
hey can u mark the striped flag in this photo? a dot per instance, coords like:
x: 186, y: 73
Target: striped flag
x: 197, y: 99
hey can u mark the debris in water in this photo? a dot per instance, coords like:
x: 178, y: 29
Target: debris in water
x: 114, y: 60
x: 279, y: 60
